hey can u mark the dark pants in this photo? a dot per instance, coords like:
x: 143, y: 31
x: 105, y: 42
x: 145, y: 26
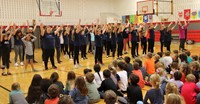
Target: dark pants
x: 150, y: 45
x: 144, y: 47
x: 161, y: 45
x: 42, y: 53
x: 66, y: 49
x: 120, y: 48
x: 168, y: 44
x: 182, y: 44
x: 113, y: 49
x: 5, y: 58
x: 83, y: 51
x: 108, y: 43
x: 104, y: 44
x: 58, y: 54
x: 62, y: 50
x: 137, y: 47
x: 76, y: 54
x: 133, y: 48
x: 98, y: 54
x: 71, y: 50
x: 48, y: 53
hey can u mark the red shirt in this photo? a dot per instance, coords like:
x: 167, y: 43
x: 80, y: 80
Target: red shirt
x: 189, y: 92
x: 51, y: 101
x: 139, y: 74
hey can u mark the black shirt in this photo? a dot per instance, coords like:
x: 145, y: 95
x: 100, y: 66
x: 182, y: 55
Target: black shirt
x: 134, y: 94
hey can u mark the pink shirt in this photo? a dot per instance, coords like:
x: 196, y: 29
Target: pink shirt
x: 51, y: 101
x: 182, y: 31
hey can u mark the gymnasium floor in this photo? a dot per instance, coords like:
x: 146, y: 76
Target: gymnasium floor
x: 25, y: 78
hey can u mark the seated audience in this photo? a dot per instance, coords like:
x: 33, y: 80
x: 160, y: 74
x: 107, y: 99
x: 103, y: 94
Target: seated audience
x: 65, y: 99
x: 71, y: 76
x: 44, y: 85
x: 137, y: 72
x: 54, y: 78
x: 53, y: 92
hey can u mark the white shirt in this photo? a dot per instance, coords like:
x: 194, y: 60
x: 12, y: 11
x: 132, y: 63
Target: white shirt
x: 61, y: 39
x: 98, y: 79
x: 124, y: 80
x: 167, y: 61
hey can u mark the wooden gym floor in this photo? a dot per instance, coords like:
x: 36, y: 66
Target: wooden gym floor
x: 25, y: 78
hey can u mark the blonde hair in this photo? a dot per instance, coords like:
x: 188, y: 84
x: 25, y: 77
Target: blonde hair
x: 174, y: 99
x: 159, y: 65
x: 195, y: 65
x: 171, y: 88
x: 156, y: 57
x: 160, y: 71
x: 190, y: 78
x: 155, y: 81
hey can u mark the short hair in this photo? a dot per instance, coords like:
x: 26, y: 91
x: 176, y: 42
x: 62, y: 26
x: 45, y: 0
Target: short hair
x: 188, y: 53
x: 65, y: 99
x: 160, y: 54
x: 157, y: 57
x: 53, y: 91
x: 110, y: 97
x: 175, y: 51
x: 174, y: 65
x: 127, y: 59
x: 71, y: 75
x: 115, y: 62
x: 85, y: 71
x: 195, y: 57
x: 134, y: 79
x: 106, y: 73
x: 89, y: 77
x: 139, y: 61
x: 195, y: 65
x: 121, y: 65
x: 190, y: 78
x: 167, y: 53
x: 177, y: 75
x: 97, y: 68
x: 54, y: 77
x: 149, y: 55
x: 136, y: 66
x: 159, y: 65
x: 15, y: 86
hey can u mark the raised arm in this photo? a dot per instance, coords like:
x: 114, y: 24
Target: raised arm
x: 8, y: 27
x: 128, y: 23
x: 155, y: 25
x: 42, y: 29
x: 57, y: 30
x: 174, y: 26
x: 1, y: 33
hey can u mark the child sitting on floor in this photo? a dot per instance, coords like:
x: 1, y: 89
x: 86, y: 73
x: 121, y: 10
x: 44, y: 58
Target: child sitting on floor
x: 16, y: 96
x: 53, y: 92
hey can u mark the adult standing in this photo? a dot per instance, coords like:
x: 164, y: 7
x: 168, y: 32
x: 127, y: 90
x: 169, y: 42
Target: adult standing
x: 162, y: 36
x: 125, y: 36
x: 48, y: 44
x: 168, y: 36
x: 151, y: 38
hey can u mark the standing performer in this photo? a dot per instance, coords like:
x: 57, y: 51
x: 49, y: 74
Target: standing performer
x: 120, y: 43
x: 98, y: 44
x: 162, y: 36
x: 5, y: 38
x: 113, y: 41
x: 83, y: 44
x: 71, y: 43
x: 32, y: 31
x: 168, y: 36
x: 151, y: 39
x: 182, y: 35
x: 134, y: 40
x: 125, y: 36
x: 29, y: 49
x: 143, y: 37
x: 48, y: 45
x: 57, y: 44
x: 66, y: 40
x: 108, y: 34
x: 77, y: 39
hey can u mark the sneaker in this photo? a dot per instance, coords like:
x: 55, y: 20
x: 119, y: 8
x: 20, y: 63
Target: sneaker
x: 16, y: 64
x: 4, y: 74
x: 75, y: 66
x: 54, y: 67
x: 21, y: 63
x: 79, y: 65
x: 8, y: 73
x: 34, y: 70
x: 70, y: 59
